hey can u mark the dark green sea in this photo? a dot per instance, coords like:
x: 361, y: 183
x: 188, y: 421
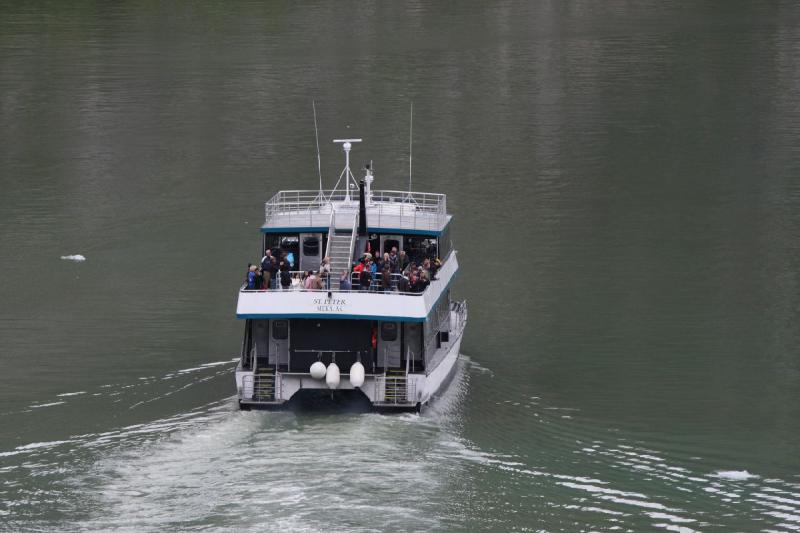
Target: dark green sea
x: 625, y: 182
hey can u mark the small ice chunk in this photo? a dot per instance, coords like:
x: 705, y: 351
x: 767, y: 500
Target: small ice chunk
x: 76, y: 257
x: 735, y: 475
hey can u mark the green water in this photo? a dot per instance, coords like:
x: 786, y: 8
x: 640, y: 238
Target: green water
x: 623, y: 178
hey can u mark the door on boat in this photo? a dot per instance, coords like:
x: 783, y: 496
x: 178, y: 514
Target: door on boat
x: 310, y: 251
x: 279, y: 341
x: 391, y: 241
x: 389, y: 345
x: 412, y: 340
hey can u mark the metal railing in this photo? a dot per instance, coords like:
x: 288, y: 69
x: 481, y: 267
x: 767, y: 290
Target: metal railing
x: 395, y: 390
x: 352, y: 241
x: 331, y: 233
x: 376, y: 283
x: 257, y: 390
x: 298, y: 284
x: 416, y: 210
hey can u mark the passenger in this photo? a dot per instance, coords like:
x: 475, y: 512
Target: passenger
x: 424, y: 280
x: 325, y: 272
x: 359, y: 266
x: 412, y: 267
x: 266, y: 261
x: 344, y: 282
x: 259, y: 281
x: 317, y: 283
x: 402, y: 261
x: 386, y: 284
x: 364, y: 279
x: 430, y: 249
x: 393, y: 262
x: 251, y: 277
x: 285, y: 274
x: 266, y: 268
x: 402, y: 284
x: 436, y: 264
x: 308, y: 282
x: 426, y: 267
x: 413, y: 282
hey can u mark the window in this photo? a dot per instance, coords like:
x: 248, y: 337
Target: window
x: 388, y: 331
x: 280, y: 330
x: 311, y: 246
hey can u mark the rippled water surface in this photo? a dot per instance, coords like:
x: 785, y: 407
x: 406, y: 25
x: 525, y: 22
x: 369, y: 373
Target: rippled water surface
x: 624, y: 183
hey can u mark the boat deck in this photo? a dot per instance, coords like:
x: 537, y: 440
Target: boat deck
x: 414, y: 211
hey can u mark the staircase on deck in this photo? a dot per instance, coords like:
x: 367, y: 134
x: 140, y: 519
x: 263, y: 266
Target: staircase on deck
x: 340, y: 244
x: 396, y: 388
x: 263, y: 381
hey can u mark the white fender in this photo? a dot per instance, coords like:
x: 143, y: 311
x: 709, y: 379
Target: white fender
x: 318, y: 370
x: 357, y: 374
x: 332, y: 376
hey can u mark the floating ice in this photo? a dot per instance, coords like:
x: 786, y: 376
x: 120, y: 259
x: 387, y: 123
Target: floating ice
x: 736, y: 475
x: 77, y: 258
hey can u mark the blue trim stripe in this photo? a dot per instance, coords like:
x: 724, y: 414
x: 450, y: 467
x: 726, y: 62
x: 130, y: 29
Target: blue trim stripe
x: 328, y: 315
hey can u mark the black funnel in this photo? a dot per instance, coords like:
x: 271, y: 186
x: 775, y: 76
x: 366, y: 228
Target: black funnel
x: 362, y: 211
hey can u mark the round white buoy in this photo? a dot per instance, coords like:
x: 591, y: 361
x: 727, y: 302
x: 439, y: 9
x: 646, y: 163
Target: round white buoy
x: 357, y: 374
x: 318, y: 370
x: 332, y: 376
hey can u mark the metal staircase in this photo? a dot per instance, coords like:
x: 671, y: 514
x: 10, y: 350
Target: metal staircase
x: 264, y: 385
x: 396, y: 388
x: 340, y: 245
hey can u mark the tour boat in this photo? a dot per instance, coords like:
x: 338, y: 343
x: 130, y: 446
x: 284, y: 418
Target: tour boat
x: 375, y: 338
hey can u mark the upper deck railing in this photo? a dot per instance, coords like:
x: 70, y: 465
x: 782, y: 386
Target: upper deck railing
x: 403, y: 209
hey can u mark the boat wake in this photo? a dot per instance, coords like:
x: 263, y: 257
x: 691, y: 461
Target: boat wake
x: 216, y: 467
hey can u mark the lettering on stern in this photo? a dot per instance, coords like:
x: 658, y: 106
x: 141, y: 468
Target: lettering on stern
x: 330, y: 305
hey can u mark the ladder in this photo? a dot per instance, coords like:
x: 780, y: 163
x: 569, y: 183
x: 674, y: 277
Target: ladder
x: 396, y: 387
x: 264, y: 385
x: 340, y: 245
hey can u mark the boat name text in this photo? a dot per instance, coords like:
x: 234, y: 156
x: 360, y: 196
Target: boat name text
x: 330, y: 304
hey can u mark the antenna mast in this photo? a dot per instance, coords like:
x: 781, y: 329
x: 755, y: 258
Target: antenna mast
x: 319, y: 159
x: 346, y: 145
x: 410, y: 137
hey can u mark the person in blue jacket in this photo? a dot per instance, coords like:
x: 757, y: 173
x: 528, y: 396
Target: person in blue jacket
x: 251, y: 277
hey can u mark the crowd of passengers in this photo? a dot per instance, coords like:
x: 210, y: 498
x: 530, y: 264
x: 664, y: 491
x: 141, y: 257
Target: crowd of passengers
x: 392, y: 272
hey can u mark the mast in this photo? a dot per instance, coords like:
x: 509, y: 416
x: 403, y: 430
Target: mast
x: 346, y: 146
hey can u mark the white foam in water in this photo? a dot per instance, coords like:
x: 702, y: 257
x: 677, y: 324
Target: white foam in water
x: 70, y: 394
x: 76, y: 258
x: 46, y: 405
x: 679, y: 529
x: 671, y: 518
x: 735, y: 475
x: 204, y: 366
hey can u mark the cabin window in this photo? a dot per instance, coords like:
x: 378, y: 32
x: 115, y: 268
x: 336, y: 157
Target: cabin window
x: 418, y: 248
x: 444, y: 243
x: 388, y: 331
x: 280, y: 330
x: 311, y: 246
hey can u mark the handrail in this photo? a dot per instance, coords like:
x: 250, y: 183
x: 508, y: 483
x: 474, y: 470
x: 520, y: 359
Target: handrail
x: 376, y: 283
x: 385, y: 202
x: 331, y: 233
x: 405, y: 390
x: 352, y: 242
